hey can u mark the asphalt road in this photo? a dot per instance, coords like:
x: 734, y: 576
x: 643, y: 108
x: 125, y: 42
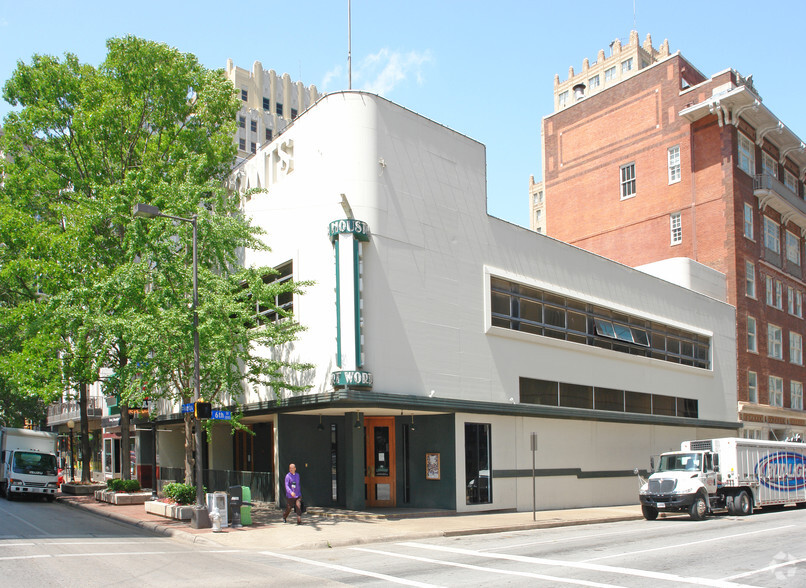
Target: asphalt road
x: 50, y: 544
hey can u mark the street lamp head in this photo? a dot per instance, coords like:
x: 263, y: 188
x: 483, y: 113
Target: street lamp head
x: 71, y: 424
x: 146, y: 211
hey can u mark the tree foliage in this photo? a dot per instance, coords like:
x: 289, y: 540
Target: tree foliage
x: 149, y: 125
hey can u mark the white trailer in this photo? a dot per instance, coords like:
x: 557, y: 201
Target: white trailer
x: 28, y: 463
x: 730, y: 474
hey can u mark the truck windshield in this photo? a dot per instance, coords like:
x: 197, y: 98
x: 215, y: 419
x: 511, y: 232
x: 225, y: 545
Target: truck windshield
x: 27, y: 462
x: 673, y: 462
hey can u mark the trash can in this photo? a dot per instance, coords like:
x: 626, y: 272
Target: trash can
x: 246, y: 505
x: 218, y: 501
x: 235, y: 502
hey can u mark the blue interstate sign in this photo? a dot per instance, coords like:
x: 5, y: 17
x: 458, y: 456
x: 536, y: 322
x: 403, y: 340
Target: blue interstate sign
x: 222, y: 415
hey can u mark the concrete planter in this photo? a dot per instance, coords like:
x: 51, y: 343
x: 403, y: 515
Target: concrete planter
x: 122, y: 497
x: 81, y: 489
x: 180, y: 512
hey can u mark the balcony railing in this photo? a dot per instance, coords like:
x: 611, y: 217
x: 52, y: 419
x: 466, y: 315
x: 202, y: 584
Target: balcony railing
x: 775, y: 194
x: 61, y: 412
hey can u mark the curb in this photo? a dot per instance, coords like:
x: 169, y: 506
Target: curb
x: 155, y: 528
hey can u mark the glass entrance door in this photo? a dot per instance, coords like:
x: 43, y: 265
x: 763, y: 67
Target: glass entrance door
x: 379, y: 473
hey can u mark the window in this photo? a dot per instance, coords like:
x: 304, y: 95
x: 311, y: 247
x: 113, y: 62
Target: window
x: 253, y: 147
x: 752, y: 387
x: 790, y: 299
x: 775, y: 342
x: 627, y: 180
x: 790, y: 182
x: 774, y: 291
x: 772, y: 235
x: 541, y: 312
x: 749, y: 279
x: 268, y: 134
x: 752, y: 340
x: 242, y: 144
x: 610, y: 73
x: 676, y: 226
x: 748, y: 221
x: 674, y: 164
x: 768, y: 164
x: 792, y: 248
x: 562, y: 99
x: 551, y: 393
x: 478, y: 469
x: 253, y: 126
x: 242, y: 122
x: 776, y: 391
x: 244, y: 95
x: 278, y: 109
x: 796, y: 395
x: 747, y: 156
x: 798, y: 304
x: 593, y: 82
x: 266, y: 103
x: 293, y: 113
x: 279, y: 304
x: 795, y: 348
x: 626, y: 65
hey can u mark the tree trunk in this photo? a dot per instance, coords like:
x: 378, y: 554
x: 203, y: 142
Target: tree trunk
x: 125, y: 442
x: 86, y: 474
x: 125, y: 422
x: 189, y: 449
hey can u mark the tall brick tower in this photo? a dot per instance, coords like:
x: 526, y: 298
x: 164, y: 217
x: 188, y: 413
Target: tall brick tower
x: 646, y: 159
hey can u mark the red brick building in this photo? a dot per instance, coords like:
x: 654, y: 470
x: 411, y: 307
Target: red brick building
x: 667, y: 163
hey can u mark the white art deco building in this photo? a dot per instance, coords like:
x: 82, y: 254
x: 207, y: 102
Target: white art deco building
x: 444, y: 338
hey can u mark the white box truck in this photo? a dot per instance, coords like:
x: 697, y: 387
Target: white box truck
x: 732, y: 474
x: 28, y: 463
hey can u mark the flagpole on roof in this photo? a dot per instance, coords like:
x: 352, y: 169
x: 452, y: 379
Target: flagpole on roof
x: 349, y: 47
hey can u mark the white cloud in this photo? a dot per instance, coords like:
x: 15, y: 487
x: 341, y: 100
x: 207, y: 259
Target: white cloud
x: 383, y: 71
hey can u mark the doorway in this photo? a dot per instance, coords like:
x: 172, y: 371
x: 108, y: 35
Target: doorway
x: 379, y: 471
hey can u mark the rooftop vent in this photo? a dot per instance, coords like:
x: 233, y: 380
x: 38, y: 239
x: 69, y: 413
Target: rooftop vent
x: 579, y: 92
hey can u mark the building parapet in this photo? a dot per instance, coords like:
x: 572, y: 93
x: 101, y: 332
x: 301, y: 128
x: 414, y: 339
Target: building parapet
x: 624, y: 62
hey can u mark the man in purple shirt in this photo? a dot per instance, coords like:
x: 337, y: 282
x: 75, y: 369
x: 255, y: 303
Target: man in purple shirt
x: 293, y: 494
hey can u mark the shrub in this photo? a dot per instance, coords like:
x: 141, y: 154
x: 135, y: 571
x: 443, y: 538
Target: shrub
x: 118, y: 485
x: 180, y: 493
x: 130, y: 485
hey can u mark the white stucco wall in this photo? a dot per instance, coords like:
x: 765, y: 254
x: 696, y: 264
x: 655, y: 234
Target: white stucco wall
x: 421, y: 188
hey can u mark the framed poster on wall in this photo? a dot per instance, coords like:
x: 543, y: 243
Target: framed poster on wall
x: 432, y: 466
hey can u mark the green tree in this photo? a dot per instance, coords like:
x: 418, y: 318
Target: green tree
x: 152, y: 125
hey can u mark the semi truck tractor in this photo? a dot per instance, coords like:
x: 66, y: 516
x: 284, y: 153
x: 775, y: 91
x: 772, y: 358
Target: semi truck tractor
x: 732, y: 474
x: 28, y: 463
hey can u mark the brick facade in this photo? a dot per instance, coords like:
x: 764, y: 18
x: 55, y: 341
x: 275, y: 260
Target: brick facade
x: 670, y: 104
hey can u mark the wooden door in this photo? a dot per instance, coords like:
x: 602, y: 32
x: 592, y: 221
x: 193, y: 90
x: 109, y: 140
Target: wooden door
x: 379, y: 476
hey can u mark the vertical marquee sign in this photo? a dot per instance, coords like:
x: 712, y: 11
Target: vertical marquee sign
x: 347, y: 236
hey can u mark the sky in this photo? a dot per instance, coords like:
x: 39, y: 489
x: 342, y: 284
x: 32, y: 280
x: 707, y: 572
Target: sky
x: 484, y: 69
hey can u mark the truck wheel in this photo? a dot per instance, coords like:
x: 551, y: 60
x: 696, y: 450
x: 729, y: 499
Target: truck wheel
x: 742, y: 505
x: 699, y: 508
x: 730, y: 503
x: 650, y: 512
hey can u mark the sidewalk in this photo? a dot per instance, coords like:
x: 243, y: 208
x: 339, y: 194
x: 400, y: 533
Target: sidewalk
x: 324, y: 528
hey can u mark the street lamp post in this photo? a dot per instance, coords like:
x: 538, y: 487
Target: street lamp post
x: 202, y: 517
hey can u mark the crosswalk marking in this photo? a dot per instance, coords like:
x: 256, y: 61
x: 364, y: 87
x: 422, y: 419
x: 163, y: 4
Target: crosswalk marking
x: 496, y: 571
x: 320, y: 564
x: 577, y: 565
